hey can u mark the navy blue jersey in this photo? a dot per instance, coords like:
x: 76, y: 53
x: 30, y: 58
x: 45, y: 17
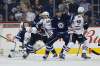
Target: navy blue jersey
x: 20, y: 34
x: 61, y: 24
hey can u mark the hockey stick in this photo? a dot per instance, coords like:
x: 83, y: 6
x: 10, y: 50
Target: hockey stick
x: 12, y: 50
x: 44, y: 45
x: 7, y: 39
x: 80, y: 44
x: 38, y: 49
x: 46, y: 32
x: 10, y: 41
x: 71, y: 41
x: 93, y: 51
x: 78, y: 49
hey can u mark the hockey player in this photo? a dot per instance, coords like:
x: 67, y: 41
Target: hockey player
x: 24, y: 29
x: 21, y: 33
x: 28, y: 17
x: 61, y: 23
x: 26, y: 26
x: 31, y: 37
x: 79, y: 27
x: 45, y: 24
x: 22, y: 36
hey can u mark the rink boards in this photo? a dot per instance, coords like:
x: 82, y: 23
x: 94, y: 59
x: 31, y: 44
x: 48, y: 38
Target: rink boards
x: 9, y: 30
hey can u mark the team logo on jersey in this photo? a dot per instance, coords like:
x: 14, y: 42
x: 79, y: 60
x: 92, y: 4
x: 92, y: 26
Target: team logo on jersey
x: 60, y: 25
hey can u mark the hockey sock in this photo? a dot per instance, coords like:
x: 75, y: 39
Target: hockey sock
x: 84, y: 49
x: 85, y: 46
x: 62, y: 51
x: 47, y: 52
x: 53, y: 51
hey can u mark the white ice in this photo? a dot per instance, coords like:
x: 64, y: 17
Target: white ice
x: 36, y: 60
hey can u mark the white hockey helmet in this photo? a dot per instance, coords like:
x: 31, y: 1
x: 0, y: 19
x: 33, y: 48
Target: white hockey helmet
x: 34, y: 30
x: 45, y: 13
x: 81, y: 9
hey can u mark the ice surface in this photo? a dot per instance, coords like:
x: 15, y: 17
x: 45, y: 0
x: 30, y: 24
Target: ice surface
x: 36, y: 60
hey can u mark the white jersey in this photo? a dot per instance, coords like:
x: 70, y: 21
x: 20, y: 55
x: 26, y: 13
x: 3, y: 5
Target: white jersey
x: 46, y: 24
x: 78, y: 23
